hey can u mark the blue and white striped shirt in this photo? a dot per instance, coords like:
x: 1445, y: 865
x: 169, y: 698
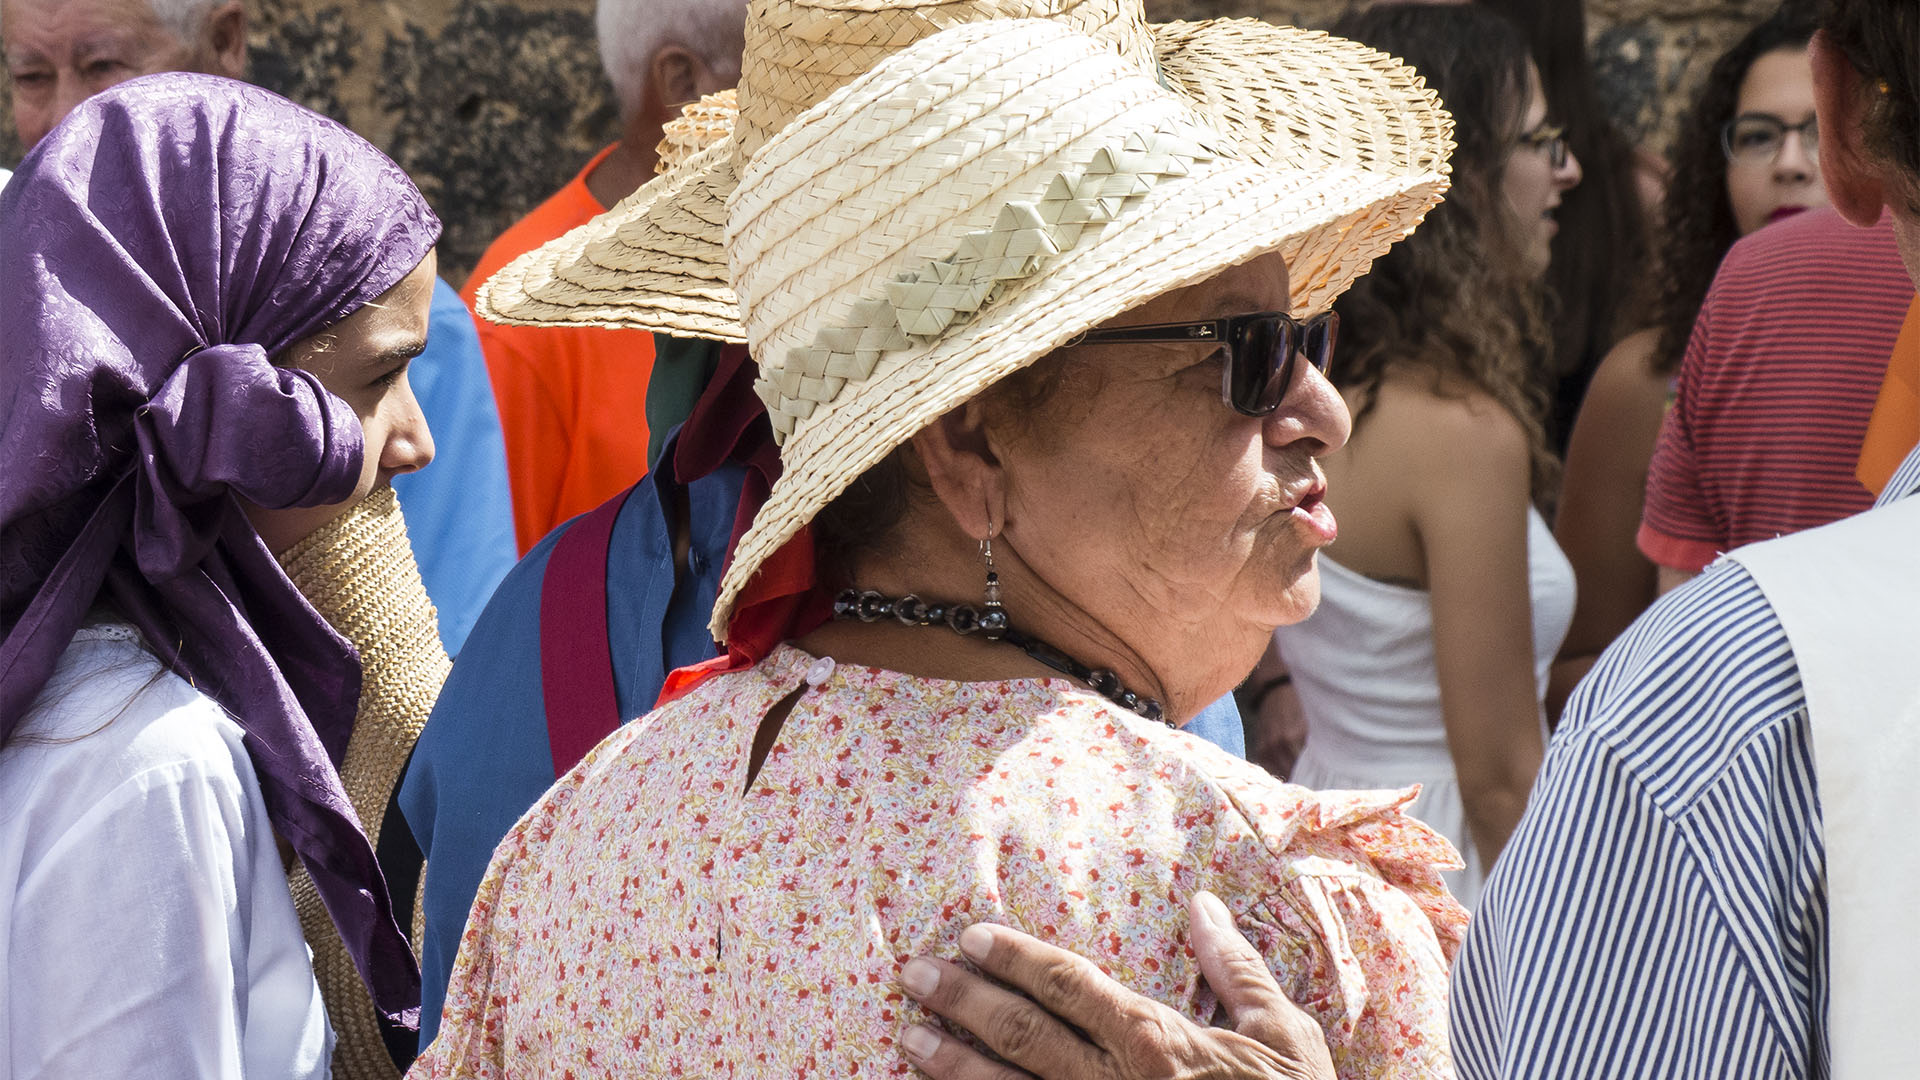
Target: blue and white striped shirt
x: 1661, y: 910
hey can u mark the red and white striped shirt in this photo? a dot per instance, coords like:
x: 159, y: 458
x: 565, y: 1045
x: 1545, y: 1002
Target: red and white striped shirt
x: 1779, y: 379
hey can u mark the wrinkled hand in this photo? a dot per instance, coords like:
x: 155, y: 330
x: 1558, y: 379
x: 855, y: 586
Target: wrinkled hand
x: 1127, y: 1037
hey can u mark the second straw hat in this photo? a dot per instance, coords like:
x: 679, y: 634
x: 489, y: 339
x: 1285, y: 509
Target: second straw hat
x: 1286, y: 97
x: 974, y: 203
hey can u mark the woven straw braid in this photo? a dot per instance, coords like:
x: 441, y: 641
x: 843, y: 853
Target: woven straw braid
x: 699, y: 125
x: 1291, y: 97
x: 358, y: 572
x: 857, y: 218
x: 924, y: 158
x: 800, y: 52
x: 1242, y: 90
x: 922, y: 304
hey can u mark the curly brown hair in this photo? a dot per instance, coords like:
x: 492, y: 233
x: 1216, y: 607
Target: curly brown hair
x: 1453, y: 299
x: 1878, y: 38
x: 1697, y: 217
x: 1603, y: 241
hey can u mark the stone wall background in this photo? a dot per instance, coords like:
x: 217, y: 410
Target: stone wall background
x: 493, y: 104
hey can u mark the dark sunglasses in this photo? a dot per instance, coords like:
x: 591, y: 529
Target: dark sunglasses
x: 1260, y: 351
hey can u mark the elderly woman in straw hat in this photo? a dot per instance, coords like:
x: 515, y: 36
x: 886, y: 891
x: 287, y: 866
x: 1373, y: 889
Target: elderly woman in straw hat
x: 1042, y: 349
x: 637, y: 607
x: 213, y: 638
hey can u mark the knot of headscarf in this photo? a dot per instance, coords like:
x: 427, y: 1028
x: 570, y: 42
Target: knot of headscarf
x: 163, y: 243
x: 227, y: 420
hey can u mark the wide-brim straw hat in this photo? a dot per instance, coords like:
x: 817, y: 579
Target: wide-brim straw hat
x: 700, y: 125
x: 1287, y: 97
x: 977, y: 201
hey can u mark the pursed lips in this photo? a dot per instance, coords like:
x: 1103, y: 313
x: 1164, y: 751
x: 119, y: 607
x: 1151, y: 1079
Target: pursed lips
x: 1304, y: 492
x: 1304, y: 500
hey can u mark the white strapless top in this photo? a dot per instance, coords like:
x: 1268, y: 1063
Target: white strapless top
x: 1364, y: 669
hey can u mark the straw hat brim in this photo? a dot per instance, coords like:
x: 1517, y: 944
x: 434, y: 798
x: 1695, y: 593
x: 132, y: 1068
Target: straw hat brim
x: 1290, y: 98
x: 1328, y: 225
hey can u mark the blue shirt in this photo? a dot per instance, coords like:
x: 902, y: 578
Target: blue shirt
x: 1660, y: 911
x: 458, y: 512
x: 484, y: 758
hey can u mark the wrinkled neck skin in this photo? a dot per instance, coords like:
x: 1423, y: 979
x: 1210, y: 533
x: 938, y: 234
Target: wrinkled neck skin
x: 931, y: 558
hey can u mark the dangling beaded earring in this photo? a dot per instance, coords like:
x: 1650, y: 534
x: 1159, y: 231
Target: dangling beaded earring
x: 869, y: 606
x: 993, y: 622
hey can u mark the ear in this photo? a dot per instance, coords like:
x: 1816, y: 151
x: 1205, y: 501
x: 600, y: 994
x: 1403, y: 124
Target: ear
x: 1839, y: 99
x: 965, y: 474
x: 676, y: 75
x: 226, y: 40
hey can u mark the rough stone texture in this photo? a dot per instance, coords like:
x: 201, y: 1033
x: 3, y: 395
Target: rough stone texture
x: 492, y: 113
x: 493, y: 104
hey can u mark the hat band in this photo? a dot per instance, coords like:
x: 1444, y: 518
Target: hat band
x: 919, y: 306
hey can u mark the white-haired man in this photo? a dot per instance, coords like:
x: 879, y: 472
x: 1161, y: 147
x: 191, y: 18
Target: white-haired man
x: 572, y: 399
x: 61, y: 52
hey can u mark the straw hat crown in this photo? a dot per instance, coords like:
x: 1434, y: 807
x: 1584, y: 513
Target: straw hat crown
x: 973, y: 203
x: 871, y: 189
x: 803, y: 50
x: 1286, y: 97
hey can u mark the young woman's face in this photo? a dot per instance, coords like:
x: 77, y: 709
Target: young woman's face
x: 363, y: 360
x: 1773, y: 164
x: 1531, y: 184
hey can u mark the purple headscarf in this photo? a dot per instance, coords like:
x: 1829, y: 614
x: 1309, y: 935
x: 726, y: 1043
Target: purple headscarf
x: 156, y: 250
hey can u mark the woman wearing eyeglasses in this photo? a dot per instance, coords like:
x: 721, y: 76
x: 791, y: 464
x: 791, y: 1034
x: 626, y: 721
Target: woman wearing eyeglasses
x: 1042, y: 356
x: 1746, y: 156
x: 1446, y: 596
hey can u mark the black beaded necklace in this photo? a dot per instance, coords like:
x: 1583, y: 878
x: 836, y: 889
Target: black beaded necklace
x: 868, y: 606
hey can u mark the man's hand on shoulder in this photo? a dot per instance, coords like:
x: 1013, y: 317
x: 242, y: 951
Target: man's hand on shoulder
x: 1120, y: 1035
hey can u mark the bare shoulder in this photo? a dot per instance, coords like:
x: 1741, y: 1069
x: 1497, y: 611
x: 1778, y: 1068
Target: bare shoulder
x: 1441, y: 425
x: 1613, y: 438
x: 1625, y: 377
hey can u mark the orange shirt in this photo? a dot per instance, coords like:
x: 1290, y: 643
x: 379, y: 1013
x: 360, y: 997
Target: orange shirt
x: 1895, y: 427
x: 573, y: 400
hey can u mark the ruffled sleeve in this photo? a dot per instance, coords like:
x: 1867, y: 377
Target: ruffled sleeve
x: 1342, y: 893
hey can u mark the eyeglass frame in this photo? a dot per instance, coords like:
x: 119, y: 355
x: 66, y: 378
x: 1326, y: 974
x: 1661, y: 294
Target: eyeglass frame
x: 1549, y: 137
x: 1808, y: 130
x: 1226, y: 332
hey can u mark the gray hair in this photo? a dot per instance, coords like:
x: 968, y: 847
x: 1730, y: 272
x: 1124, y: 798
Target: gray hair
x: 185, y: 19
x: 632, y: 31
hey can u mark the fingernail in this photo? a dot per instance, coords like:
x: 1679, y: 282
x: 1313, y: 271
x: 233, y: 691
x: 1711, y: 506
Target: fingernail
x: 920, y: 977
x: 976, y: 941
x: 920, y: 1042
x: 1215, y: 912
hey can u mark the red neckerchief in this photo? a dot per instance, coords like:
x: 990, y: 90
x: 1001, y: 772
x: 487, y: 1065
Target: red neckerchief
x: 729, y: 423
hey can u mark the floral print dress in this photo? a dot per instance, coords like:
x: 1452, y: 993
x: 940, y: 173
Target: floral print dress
x: 654, y: 915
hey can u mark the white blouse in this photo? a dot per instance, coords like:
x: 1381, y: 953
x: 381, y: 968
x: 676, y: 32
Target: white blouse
x: 145, y: 924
